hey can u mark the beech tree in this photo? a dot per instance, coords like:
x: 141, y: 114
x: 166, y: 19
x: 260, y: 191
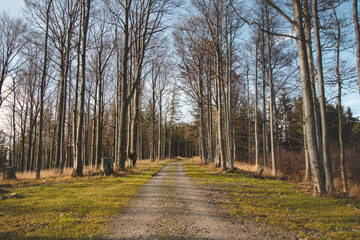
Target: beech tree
x: 357, y: 35
x: 85, y: 15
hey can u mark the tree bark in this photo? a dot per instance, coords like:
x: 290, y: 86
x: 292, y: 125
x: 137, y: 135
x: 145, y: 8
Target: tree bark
x: 202, y: 122
x: 319, y: 185
x: 257, y: 160
x: 78, y: 166
x: 325, y: 139
x: 307, y: 30
x: 339, y: 83
x: 272, y: 99
x: 42, y: 91
x: 122, y: 138
x: 357, y: 34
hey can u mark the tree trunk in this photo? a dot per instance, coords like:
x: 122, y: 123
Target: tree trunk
x: 307, y: 176
x: 160, y: 125
x: 78, y: 166
x: 249, y: 117
x: 339, y: 83
x: 357, y: 34
x: 94, y: 130
x: 203, y: 149
x: 122, y: 138
x: 317, y: 171
x: 209, y: 121
x: 42, y: 91
x: 99, y: 117
x: 152, y: 127
x: 257, y: 160
x: 272, y: 99
x: 134, y: 128
x: 219, y: 109
x: 76, y: 92
x: 325, y: 139
x: 265, y: 138
x: 307, y: 30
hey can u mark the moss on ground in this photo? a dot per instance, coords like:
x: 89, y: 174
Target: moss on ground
x: 79, y: 209
x: 280, y: 204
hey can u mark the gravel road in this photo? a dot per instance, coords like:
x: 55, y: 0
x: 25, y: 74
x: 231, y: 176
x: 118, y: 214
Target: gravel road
x: 171, y: 206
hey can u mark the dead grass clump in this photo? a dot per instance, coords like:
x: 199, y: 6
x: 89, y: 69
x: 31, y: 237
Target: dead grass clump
x: 354, y: 187
x: 354, y: 190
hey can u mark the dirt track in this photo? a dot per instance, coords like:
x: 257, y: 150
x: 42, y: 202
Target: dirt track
x: 171, y: 206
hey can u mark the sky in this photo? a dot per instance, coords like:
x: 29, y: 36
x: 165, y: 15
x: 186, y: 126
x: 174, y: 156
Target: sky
x: 350, y: 98
x: 12, y: 7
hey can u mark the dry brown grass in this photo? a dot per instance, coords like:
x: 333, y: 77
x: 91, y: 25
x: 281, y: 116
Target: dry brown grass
x: 252, y: 168
x: 52, y: 175
x: 354, y: 188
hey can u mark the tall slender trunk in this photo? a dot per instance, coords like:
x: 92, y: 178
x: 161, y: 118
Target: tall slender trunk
x: 219, y: 110
x: 13, y: 161
x: 78, y: 166
x: 325, y: 139
x: 319, y: 184
x: 164, y: 138
x: 209, y: 120
x: 357, y: 34
x: 307, y: 30
x: 265, y: 138
x: 307, y: 176
x: 30, y: 136
x: 134, y: 128
x: 94, y: 120
x: 76, y: 92
x: 152, y: 127
x: 42, y: 91
x: 339, y: 83
x: 160, y: 125
x: 122, y: 138
x: 257, y: 160
x: 23, y: 136
x: 272, y: 99
x: 99, y: 118
x: 248, y: 117
x: 170, y: 137
x: 203, y: 149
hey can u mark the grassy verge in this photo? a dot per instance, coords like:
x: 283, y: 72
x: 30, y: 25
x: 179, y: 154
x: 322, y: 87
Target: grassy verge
x: 77, y: 208
x: 280, y: 204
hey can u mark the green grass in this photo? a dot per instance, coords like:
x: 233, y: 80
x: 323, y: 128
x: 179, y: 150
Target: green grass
x: 281, y: 204
x: 70, y: 210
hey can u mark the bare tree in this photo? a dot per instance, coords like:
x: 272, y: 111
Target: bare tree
x: 316, y: 165
x: 85, y: 14
x: 339, y: 80
x: 42, y: 89
x: 324, y: 126
x: 12, y: 33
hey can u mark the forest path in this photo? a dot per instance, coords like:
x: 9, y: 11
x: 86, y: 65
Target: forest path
x: 171, y: 206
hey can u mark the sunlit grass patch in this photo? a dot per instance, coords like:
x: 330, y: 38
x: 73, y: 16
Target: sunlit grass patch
x: 280, y: 203
x: 77, y: 209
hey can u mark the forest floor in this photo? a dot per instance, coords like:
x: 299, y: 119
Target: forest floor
x: 170, y: 199
x: 172, y: 206
x: 277, y: 203
x: 66, y: 207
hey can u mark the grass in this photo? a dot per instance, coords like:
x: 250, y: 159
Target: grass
x: 280, y: 204
x: 70, y: 208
